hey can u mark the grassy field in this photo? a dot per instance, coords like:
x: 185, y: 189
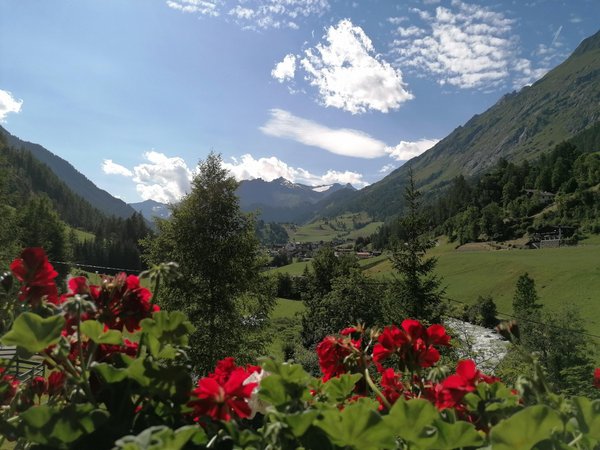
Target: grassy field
x: 563, y: 276
x: 285, y: 325
x: 287, y: 308
x: 296, y: 268
x: 81, y: 235
x: 346, y: 226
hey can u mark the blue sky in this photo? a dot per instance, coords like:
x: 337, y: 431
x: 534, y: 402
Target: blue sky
x: 135, y: 92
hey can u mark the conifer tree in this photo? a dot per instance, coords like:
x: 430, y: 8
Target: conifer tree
x: 417, y: 292
x: 528, y: 311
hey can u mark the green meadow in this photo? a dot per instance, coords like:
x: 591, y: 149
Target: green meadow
x: 563, y: 276
x: 345, y: 226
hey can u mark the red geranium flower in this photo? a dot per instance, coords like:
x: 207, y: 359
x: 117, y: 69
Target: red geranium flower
x: 105, y: 351
x: 413, y: 344
x: 332, y: 352
x: 123, y: 303
x: 597, y: 378
x: 393, y: 388
x: 56, y: 382
x: 38, y: 386
x: 36, y: 275
x: 223, y: 394
x: 452, y: 390
x: 8, y: 387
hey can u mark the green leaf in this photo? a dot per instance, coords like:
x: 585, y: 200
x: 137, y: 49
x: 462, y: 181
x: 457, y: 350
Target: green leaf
x: 338, y: 389
x: 412, y: 421
x: 109, y: 373
x: 166, y: 329
x: 288, y: 383
x: 95, y: 331
x: 587, y: 413
x: 54, y: 426
x: 161, y: 437
x: 33, y: 333
x: 358, y: 426
x: 300, y: 422
x: 456, y: 435
x: 526, y: 428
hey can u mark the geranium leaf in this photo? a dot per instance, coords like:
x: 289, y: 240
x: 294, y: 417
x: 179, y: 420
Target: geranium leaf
x: 358, y: 426
x: 339, y: 388
x: 161, y: 437
x: 412, y: 421
x: 95, y: 331
x: 456, y: 435
x: 587, y: 413
x: 33, y: 333
x: 526, y: 428
x: 55, y: 426
x: 109, y: 373
x: 300, y: 422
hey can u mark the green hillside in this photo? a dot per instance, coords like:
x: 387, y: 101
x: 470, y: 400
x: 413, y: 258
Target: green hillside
x: 522, y: 125
x: 563, y: 276
x: 344, y: 226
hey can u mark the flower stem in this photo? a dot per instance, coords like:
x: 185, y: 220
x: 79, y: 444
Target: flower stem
x: 376, y: 390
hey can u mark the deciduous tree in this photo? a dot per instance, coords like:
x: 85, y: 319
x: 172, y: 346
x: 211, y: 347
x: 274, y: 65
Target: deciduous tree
x: 221, y: 289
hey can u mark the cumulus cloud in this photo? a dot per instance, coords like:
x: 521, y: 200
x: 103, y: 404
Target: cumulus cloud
x: 349, y: 74
x: 111, y: 168
x: 341, y: 141
x: 406, y: 150
x: 255, y: 14
x: 463, y: 45
x: 8, y: 104
x: 162, y: 178
x: 269, y: 169
x: 285, y: 69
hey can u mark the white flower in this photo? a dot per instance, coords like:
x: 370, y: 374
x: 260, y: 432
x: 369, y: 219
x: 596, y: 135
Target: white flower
x: 256, y: 405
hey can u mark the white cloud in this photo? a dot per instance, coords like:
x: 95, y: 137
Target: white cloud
x: 111, y: 168
x: 464, y: 45
x: 409, y: 31
x: 162, y: 179
x: 575, y: 19
x: 255, y: 14
x: 204, y: 7
x: 397, y: 20
x: 349, y: 75
x: 269, y: 169
x: 341, y: 141
x: 285, y: 69
x: 406, y: 150
x: 8, y: 104
x: 241, y: 13
x: 387, y: 168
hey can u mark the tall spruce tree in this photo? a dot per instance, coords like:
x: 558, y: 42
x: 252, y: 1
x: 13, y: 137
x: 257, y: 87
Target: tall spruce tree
x: 417, y: 291
x: 528, y: 311
x: 220, y: 289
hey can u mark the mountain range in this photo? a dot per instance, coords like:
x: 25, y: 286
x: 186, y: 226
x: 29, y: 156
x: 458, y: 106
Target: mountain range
x: 281, y: 200
x: 563, y: 105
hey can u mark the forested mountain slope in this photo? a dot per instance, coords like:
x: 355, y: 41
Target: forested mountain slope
x: 74, y: 179
x: 520, y: 126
